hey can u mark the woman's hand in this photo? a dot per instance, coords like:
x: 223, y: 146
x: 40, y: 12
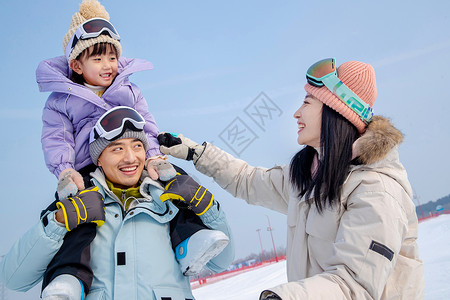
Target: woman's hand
x: 269, y: 295
x: 179, y: 146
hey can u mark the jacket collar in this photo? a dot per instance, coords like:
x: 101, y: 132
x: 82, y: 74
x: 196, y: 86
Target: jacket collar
x: 100, y: 180
x: 150, y: 204
x: 53, y: 75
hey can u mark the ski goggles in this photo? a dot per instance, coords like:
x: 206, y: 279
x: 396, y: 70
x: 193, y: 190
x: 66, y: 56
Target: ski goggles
x: 114, y: 122
x: 90, y: 29
x: 324, y: 72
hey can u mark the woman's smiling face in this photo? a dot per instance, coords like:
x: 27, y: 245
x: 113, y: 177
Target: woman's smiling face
x: 309, y: 121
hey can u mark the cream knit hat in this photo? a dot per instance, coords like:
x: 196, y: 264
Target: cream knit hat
x: 88, y: 9
x: 357, y: 76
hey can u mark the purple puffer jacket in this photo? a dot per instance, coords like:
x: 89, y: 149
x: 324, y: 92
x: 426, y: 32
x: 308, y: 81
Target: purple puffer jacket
x: 72, y: 109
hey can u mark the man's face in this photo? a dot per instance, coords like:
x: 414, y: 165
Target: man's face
x: 123, y: 161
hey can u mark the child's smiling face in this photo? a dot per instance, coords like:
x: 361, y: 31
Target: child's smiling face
x: 99, y: 69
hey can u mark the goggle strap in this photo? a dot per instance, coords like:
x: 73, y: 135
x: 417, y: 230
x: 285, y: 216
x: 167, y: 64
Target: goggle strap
x: 346, y: 95
x: 104, y: 30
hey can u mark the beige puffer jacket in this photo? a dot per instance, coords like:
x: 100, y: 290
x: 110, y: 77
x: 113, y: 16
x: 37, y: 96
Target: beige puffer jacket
x: 366, y: 249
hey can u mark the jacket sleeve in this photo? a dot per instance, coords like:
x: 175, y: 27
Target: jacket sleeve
x: 256, y: 185
x: 24, y: 265
x: 57, y: 138
x: 366, y: 248
x: 150, y: 128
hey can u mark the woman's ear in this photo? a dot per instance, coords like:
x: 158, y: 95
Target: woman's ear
x: 75, y: 65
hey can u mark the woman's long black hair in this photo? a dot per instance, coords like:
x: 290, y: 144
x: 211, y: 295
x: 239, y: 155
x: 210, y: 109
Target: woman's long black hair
x: 336, y: 139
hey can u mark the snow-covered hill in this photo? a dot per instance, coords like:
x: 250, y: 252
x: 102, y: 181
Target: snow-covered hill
x: 434, y: 245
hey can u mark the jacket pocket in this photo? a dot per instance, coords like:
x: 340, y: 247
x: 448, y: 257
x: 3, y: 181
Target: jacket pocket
x: 406, y: 280
x: 96, y: 294
x: 322, y: 225
x: 170, y: 293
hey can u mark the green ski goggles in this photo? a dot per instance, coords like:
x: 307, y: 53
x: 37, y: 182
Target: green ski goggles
x: 324, y: 72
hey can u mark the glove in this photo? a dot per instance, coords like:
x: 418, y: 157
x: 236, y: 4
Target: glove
x: 269, y: 295
x: 185, y: 189
x: 86, y: 206
x: 69, y: 182
x: 160, y: 168
x: 180, y: 147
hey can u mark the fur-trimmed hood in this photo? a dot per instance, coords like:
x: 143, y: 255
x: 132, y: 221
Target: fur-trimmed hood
x: 377, y: 149
x: 378, y: 140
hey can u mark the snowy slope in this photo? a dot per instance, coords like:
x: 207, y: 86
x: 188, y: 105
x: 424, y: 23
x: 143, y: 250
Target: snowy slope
x: 434, y: 245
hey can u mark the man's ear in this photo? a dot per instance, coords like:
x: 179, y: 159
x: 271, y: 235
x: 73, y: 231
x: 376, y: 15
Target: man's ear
x: 75, y: 65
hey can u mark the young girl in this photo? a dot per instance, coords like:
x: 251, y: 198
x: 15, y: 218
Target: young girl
x: 89, y: 80
x: 352, y: 226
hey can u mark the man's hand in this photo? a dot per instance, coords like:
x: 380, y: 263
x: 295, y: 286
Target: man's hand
x: 86, y: 206
x: 185, y: 189
x: 69, y: 183
x: 179, y: 146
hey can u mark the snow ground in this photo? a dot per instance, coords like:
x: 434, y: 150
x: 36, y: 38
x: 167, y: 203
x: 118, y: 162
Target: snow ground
x: 434, y: 247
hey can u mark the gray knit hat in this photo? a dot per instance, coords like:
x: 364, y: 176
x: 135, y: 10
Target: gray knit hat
x: 88, y: 9
x: 96, y: 147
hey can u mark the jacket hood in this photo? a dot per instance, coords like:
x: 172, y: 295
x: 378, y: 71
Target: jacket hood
x: 377, y: 149
x: 378, y: 140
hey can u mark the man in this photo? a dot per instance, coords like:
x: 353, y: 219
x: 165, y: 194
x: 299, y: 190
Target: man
x: 131, y: 255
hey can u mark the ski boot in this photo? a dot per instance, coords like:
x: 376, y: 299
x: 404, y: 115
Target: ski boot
x: 194, y: 252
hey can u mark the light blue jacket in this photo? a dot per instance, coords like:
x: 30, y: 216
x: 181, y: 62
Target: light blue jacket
x: 140, y: 235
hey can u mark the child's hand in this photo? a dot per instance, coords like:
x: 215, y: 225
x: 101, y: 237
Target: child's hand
x: 69, y: 183
x: 158, y: 167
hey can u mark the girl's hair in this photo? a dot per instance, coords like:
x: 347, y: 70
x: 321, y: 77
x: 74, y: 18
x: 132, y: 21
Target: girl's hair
x: 97, y: 49
x: 336, y: 139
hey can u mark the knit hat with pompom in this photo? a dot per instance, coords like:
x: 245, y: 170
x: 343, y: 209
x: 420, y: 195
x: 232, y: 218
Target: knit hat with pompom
x: 88, y: 9
x: 358, y: 77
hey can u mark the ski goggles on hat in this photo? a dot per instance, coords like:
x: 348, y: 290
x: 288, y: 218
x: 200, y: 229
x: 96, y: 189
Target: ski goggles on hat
x: 90, y: 29
x: 324, y: 72
x: 113, y: 123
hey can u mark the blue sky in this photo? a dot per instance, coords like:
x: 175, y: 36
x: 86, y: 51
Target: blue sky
x: 214, y: 60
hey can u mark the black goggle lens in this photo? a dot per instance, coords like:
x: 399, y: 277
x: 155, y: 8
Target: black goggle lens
x: 114, y: 119
x: 97, y: 25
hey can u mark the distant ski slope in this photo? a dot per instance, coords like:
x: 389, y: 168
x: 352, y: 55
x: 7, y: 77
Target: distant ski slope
x: 434, y: 247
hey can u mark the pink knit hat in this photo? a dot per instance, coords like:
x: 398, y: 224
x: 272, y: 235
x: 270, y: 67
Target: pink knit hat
x: 357, y: 76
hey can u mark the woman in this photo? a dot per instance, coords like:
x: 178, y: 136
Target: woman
x: 352, y: 226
